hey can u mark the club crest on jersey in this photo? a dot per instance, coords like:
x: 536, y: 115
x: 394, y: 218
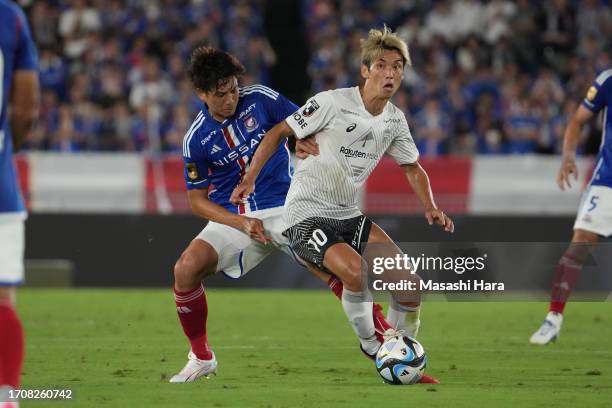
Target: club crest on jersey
x: 310, y: 108
x: 250, y: 123
x: 192, y: 171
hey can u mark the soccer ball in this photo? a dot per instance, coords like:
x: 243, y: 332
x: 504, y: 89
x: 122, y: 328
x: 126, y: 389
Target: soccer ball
x: 401, y: 360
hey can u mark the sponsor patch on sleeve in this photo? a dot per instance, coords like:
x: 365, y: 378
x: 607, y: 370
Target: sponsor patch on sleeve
x: 192, y: 171
x: 310, y: 108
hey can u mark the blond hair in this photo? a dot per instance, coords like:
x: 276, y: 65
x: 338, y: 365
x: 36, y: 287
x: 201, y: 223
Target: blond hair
x: 378, y: 41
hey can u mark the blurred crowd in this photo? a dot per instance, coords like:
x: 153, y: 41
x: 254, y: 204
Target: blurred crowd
x: 492, y: 76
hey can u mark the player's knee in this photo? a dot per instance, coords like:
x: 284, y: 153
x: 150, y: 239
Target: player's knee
x: 353, y: 275
x: 582, y: 245
x: 584, y: 237
x: 189, y: 269
x: 7, y: 295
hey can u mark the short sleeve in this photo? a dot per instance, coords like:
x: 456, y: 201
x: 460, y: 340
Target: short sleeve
x: 25, y: 53
x: 595, y: 99
x: 314, y: 116
x: 196, y: 165
x: 278, y: 109
x: 402, y: 148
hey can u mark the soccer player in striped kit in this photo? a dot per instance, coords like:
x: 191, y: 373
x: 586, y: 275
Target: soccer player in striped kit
x: 216, y: 151
x: 19, y: 94
x: 594, y: 218
x: 354, y: 127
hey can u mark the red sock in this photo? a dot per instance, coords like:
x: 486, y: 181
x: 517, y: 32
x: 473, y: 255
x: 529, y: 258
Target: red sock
x: 11, y: 346
x: 192, y: 312
x: 336, y: 286
x: 566, y: 274
x: 380, y: 323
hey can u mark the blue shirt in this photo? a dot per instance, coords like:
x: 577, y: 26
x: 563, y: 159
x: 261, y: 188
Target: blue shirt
x: 599, y: 97
x: 17, y: 52
x: 218, y: 154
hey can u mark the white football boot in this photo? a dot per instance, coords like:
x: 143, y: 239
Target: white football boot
x: 195, y: 368
x: 549, y: 331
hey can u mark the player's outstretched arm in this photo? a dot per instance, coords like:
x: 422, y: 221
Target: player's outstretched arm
x: 266, y: 149
x: 419, y: 181
x: 570, y: 142
x: 203, y: 207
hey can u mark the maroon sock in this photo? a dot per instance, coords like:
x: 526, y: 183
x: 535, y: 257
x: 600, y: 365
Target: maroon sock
x: 380, y: 323
x: 192, y: 312
x: 11, y: 346
x: 566, y: 275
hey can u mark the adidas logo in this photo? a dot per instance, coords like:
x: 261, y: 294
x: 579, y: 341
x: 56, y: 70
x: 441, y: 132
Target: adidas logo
x: 215, y: 149
x: 183, y: 309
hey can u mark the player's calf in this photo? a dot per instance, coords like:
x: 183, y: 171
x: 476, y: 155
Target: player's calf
x: 197, y: 261
x: 380, y: 323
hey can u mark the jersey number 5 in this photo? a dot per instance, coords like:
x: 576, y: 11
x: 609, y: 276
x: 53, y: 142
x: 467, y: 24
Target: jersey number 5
x: 594, y: 200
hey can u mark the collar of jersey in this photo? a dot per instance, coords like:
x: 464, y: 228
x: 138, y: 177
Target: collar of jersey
x: 362, y: 105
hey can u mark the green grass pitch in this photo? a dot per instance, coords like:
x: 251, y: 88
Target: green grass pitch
x: 295, y: 349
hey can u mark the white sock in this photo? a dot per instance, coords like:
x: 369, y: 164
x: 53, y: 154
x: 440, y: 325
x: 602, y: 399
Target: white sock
x: 404, y: 318
x: 358, y: 308
x: 5, y: 391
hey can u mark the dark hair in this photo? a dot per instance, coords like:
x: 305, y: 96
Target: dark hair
x: 210, y: 68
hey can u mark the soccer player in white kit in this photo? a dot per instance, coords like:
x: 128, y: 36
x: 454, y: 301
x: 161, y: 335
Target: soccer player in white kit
x: 216, y: 151
x: 594, y: 218
x: 354, y: 127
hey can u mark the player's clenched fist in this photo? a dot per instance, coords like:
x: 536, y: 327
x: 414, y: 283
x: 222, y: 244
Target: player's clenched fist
x: 243, y: 190
x: 254, y: 228
x: 568, y: 167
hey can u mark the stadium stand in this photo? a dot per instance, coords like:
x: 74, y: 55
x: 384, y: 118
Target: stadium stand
x: 489, y: 77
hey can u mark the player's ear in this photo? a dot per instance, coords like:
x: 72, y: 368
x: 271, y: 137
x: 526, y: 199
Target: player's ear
x: 201, y: 95
x: 365, y: 71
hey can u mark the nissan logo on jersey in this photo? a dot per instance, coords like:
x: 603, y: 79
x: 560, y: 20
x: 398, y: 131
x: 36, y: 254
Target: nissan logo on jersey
x: 243, y: 151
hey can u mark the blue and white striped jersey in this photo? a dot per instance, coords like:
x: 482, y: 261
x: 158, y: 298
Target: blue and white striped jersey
x: 17, y: 52
x: 599, y: 97
x: 218, y: 154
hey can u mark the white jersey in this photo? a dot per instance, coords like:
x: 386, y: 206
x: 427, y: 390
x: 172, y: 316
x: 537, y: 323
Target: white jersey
x: 351, y: 143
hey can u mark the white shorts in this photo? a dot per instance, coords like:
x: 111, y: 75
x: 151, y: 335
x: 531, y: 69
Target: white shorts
x: 12, y: 244
x: 238, y: 253
x: 595, y: 211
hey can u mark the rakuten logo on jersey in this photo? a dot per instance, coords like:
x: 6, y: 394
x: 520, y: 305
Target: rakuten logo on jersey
x: 347, y: 152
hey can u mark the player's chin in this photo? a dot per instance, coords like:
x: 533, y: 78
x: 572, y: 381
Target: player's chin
x: 388, y: 91
x: 229, y: 111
